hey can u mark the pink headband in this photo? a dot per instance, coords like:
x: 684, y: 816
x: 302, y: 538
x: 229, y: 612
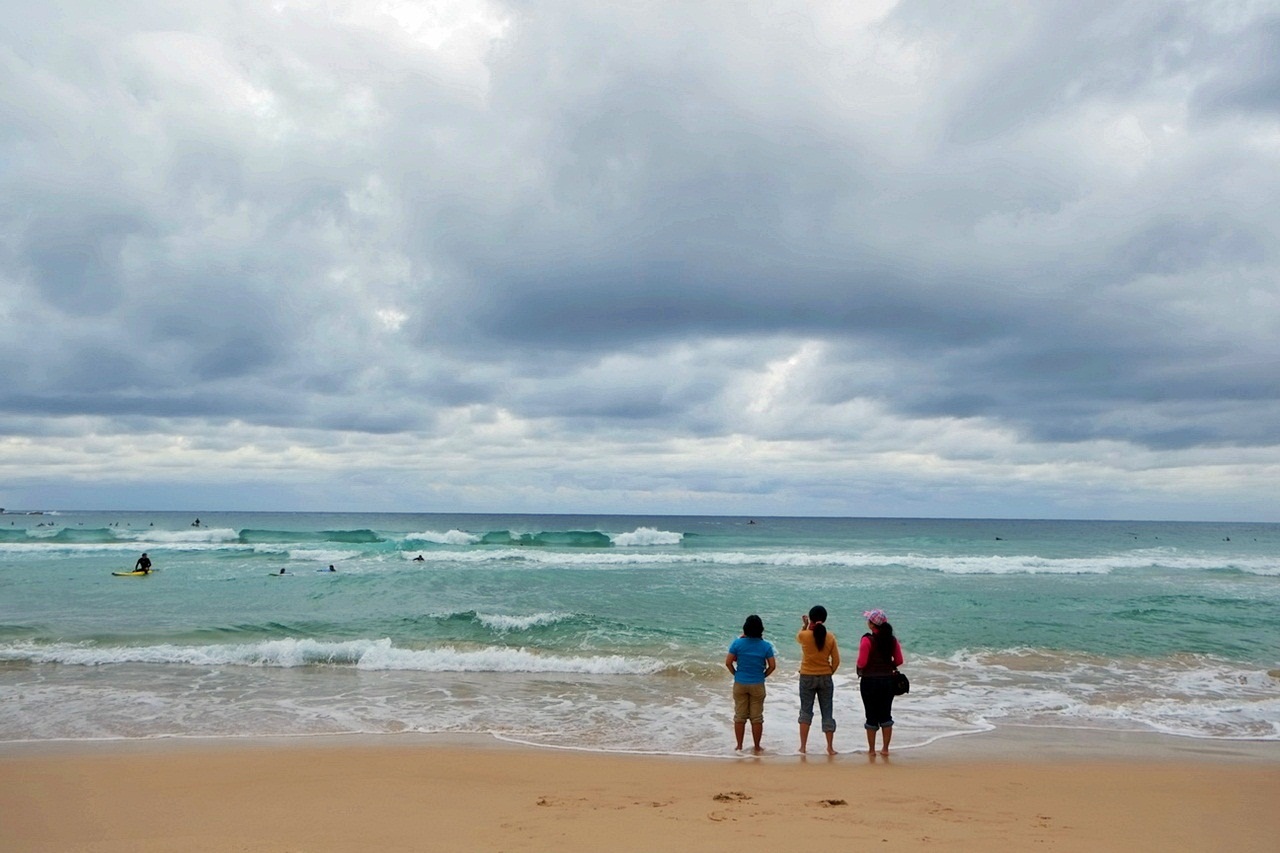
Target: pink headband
x: 875, y: 617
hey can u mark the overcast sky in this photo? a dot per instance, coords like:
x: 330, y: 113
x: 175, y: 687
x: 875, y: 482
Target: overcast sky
x: 769, y: 258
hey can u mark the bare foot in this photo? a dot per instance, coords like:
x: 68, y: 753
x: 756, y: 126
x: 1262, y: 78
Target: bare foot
x: 802, y: 749
x: 884, y: 751
x: 757, y: 749
x: 831, y: 750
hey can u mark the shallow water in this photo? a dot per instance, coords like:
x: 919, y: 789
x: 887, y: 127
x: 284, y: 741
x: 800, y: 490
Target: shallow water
x: 609, y: 632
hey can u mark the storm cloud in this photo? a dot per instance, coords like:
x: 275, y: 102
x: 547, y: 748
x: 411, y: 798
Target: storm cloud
x: 791, y: 257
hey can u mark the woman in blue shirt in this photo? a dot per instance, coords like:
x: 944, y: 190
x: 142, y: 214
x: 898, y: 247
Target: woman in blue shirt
x: 751, y: 660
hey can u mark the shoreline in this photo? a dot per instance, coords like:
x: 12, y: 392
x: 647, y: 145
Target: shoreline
x: 1064, y: 789
x: 1014, y: 742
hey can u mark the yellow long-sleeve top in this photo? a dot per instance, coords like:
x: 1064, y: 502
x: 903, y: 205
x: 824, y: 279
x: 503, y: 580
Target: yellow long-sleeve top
x: 815, y: 661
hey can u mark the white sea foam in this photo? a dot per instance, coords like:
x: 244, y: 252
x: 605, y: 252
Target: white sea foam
x: 499, y: 622
x: 131, y: 536
x: 636, y: 548
x: 450, y: 659
x: 1268, y: 568
x: 362, y: 654
x: 449, y: 537
x: 1190, y: 695
x: 994, y: 565
x: 178, y: 537
x: 802, y: 559
x: 796, y: 559
x: 598, y: 702
x: 643, y: 536
x: 85, y: 548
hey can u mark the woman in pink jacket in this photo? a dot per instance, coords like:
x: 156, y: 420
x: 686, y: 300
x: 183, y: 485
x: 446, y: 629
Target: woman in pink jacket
x: 878, y: 656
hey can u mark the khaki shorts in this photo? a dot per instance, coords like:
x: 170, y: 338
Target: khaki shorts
x: 748, y: 703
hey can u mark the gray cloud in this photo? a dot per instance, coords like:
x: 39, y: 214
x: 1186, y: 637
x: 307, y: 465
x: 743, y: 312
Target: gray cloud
x: 476, y: 231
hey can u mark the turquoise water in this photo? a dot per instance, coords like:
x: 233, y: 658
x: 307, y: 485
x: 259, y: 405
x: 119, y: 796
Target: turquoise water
x: 608, y: 632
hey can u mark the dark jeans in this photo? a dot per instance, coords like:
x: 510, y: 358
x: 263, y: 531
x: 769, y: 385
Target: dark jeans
x: 877, y: 700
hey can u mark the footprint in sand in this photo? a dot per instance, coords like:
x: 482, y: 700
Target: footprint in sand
x: 558, y: 801
x: 731, y: 797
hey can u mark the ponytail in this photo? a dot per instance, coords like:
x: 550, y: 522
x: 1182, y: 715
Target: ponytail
x: 817, y: 616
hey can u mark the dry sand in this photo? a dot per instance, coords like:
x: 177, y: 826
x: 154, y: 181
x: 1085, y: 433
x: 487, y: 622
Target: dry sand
x: 1019, y: 791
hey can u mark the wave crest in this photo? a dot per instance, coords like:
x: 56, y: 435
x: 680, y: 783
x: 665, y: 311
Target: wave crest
x: 643, y: 536
x: 504, y: 623
x: 361, y: 654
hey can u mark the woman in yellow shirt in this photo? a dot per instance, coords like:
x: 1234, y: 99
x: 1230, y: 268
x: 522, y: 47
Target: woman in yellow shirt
x: 820, y: 658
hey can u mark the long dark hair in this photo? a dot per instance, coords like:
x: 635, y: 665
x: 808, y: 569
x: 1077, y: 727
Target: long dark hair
x: 818, y: 614
x: 753, y: 627
x: 882, y: 640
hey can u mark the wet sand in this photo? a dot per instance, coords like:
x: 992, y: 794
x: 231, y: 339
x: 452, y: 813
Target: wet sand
x: 1019, y: 789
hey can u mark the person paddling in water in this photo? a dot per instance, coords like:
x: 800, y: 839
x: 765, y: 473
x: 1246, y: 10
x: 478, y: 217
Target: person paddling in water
x: 143, y: 565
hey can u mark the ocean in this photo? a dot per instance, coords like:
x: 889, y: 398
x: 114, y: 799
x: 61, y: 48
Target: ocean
x: 609, y: 632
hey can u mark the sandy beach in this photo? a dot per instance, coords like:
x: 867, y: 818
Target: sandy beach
x: 1057, y: 790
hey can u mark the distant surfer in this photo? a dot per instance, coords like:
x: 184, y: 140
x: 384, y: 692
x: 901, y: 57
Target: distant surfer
x: 143, y: 565
x: 419, y: 559
x: 195, y: 523
x: 331, y: 568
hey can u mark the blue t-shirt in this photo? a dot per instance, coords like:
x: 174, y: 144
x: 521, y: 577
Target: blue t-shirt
x: 752, y: 652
